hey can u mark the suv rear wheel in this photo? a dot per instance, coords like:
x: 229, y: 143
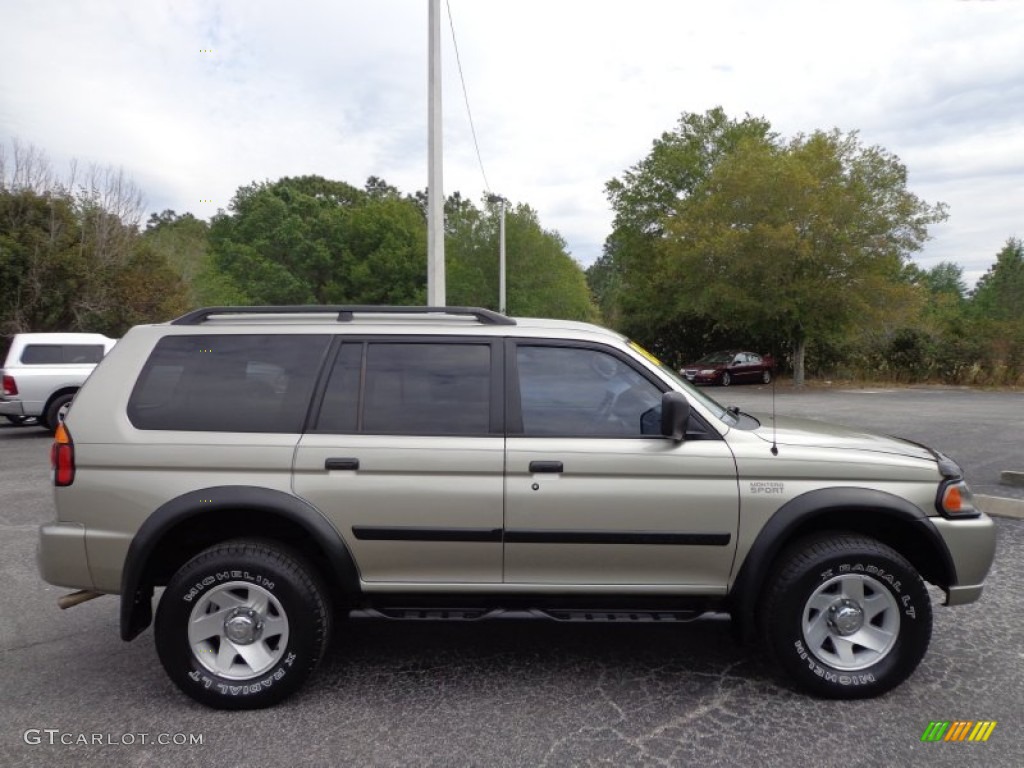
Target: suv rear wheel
x: 846, y: 616
x: 242, y: 625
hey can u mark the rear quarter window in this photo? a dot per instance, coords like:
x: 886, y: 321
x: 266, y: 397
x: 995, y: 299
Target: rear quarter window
x: 228, y: 383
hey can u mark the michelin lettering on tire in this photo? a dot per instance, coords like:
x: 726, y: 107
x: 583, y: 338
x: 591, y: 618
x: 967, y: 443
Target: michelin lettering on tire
x: 846, y: 616
x: 260, y: 612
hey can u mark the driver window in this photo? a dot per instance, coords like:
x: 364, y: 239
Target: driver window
x: 577, y: 392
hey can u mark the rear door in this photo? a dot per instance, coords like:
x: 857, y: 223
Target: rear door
x: 594, y: 494
x: 406, y: 457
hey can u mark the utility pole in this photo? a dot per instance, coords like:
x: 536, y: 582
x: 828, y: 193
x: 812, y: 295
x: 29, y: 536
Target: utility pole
x: 501, y: 249
x: 435, y: 182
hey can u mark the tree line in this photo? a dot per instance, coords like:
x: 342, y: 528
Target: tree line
x: 725, y: 235
x: 74, y: 254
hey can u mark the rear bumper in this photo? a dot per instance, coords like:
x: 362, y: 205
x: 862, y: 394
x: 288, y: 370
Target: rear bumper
x: 11, y: 408
x: 61, y: 556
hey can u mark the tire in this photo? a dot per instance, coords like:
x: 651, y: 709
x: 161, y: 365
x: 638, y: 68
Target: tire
x: 726, y: 379
x: 18, y: 421
x: 280, y: 625
x: 766, y: 376
x: 56, y: 411
x: 833, y: 590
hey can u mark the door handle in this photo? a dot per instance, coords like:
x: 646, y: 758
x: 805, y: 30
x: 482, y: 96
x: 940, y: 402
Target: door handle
x: 341, y: 464
x: 546, y: 466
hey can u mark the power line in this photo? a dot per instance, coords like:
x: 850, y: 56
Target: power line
x: 465, y: 95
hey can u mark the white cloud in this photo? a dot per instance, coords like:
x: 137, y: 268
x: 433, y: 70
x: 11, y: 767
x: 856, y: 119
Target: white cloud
x: 566, y: 94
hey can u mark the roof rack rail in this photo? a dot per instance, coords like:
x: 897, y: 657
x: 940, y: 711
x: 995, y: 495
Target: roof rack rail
x: 345, y: 312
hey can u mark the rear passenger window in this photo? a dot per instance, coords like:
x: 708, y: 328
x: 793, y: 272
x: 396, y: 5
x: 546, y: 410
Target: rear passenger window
x: 57, y: 354
x: 409, y: 389
x: 341, y: 400
x: 228, y: 383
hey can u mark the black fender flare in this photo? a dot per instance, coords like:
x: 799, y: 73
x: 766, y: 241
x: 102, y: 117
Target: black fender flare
x: 807, y: 508
x: 137, y: 578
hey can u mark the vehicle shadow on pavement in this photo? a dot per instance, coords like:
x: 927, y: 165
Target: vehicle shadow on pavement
x: 519, y: 654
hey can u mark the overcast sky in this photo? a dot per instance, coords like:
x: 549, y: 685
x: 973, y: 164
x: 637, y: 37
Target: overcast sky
x: 194, y: 98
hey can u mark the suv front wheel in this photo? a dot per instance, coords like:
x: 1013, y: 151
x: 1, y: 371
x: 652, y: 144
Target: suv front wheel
x: 242, y: 625
x: 846, y: 616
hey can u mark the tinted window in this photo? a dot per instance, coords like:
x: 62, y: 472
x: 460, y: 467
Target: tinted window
x: 341, y: 400
x: 584, y: 392
x: 56, y: 354
x: 227, y: 383
x: 410, y: 389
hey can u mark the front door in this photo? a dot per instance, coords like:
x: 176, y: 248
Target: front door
x: 595, y: 495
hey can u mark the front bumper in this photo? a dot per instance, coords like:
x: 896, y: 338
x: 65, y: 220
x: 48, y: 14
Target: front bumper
x: 972, y: 547
x: 701, y: 378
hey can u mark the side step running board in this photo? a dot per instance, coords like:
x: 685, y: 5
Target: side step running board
x: 562, y: 615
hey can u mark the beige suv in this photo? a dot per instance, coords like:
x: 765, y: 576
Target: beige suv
x: 278, y: 468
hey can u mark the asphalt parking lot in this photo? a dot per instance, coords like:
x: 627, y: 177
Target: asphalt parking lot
x: 513, y: 693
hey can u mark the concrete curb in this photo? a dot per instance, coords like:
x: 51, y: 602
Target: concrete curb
x: 1000, y: 507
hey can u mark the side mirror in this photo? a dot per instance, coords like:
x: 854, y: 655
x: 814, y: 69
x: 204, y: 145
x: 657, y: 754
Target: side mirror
x: 675, y: 414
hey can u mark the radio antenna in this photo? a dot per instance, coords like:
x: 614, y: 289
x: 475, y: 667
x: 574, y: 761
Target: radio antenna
x: 775, y: 445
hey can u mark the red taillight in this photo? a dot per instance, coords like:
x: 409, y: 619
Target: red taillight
x: 62, y: 457
x: 10, y: 387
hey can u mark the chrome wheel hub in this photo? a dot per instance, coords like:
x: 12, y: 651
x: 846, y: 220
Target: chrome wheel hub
x: 243, y: 626
x: 845, y: 617
x: 851, y: 622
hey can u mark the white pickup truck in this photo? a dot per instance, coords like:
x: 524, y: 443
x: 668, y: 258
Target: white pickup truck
x: 43, y: 371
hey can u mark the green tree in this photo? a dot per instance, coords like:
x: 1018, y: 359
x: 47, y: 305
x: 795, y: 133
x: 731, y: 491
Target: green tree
x: 808, y: 237
x: 627, y: 281
x: 996, y: 309
x: 183, y: 242
x: 999, y: 294
x: 73, y: 260
x: 542, y: 278
x: 312, y: 240
x: 800, y: 240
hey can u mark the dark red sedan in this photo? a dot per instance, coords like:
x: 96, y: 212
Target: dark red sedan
x: 730, y: 367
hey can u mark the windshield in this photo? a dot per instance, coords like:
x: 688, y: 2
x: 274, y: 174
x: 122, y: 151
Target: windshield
x: 720, y: 412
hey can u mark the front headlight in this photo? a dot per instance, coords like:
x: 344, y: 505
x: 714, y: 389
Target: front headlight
x: 956, y: 501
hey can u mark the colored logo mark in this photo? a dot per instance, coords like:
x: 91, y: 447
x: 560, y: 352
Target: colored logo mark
x: 958, y: 730
x: 206, y: 50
